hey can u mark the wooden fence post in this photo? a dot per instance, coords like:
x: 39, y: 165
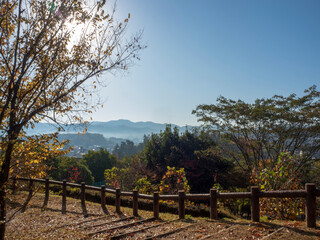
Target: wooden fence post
x: 156, y: 205
x: 64, y: 197
x: 46, y: 197
x: 182, y: 196
x: 14, y: 186
x: 311, y: 206
x: 24, y: 206
x: 213, y: 204
x: 30, y: 186
x: 255, y: 207
x: 118, y: 200
x: 135, y: 203
x: 83, y: 199
x: 103, y: 199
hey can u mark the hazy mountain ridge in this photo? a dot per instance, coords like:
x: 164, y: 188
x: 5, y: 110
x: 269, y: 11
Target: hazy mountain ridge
x: 123, y: 129
x: 89, y: 141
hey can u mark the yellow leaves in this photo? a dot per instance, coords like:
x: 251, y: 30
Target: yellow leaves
x: 59, y: 68
x: 174, y: 180
x: 29, y: 155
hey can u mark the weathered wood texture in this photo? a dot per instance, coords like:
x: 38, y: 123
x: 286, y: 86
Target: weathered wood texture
x: 309, y: 193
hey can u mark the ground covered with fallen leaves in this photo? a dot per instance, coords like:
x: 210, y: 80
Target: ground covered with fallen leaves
x: 37, y: 223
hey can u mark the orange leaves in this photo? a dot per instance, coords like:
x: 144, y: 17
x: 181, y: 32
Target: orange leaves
x: 174, y: 180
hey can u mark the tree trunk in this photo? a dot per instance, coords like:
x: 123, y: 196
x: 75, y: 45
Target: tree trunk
x: 4, y: 176
x: 2, y: 213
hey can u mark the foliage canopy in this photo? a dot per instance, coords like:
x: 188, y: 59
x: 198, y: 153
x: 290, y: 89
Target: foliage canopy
x: 255, y: 132
x: 98, y: 161
x: 195, y: 151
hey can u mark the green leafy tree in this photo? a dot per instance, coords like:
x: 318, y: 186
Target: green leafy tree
x: 161, y: 150
x: 195, y: 151
x: 203, y: 161
x: 254, y: 133
x: 127, y: 148
x: 98, y: 162
x: 61, y: 168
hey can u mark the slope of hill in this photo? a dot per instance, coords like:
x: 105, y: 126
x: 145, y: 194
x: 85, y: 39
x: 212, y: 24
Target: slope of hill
x: 124, y: 129
x: 35, y: 223
x: 91, y: 140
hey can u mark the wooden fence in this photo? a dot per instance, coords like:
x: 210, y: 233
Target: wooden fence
x: 309, y: 193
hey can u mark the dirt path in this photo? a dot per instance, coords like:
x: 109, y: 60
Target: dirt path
x: 51, y: 224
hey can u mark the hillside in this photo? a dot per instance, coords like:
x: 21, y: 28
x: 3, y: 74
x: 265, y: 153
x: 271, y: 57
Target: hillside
x: 90, y: 140
x: 51, y: 224
x: 124, y: 129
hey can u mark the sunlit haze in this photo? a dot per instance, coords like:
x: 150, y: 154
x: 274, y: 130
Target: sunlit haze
x: 199, y: 50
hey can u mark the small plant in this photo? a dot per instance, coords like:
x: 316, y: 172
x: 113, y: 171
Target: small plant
x: 283, y: 176
x: 144, y: 186
x: 188, y: 218
x: 113, y: 176
x: 74, y: 175
x: 173, y: 181
x: 264, y: 219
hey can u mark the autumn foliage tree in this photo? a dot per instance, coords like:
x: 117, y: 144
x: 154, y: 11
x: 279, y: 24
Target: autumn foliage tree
x: 173, y: 181
x: 30, y: 155
x: 283, y: 176
x: 52, y: 56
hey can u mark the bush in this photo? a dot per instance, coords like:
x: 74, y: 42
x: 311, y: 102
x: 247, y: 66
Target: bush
x: 283, y: 176
x: 173, y: 181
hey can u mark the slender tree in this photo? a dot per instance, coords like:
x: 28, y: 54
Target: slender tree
x: 52, y: 56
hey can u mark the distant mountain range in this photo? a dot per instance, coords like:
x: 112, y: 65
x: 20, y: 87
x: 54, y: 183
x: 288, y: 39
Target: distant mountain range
x: 123, y: 129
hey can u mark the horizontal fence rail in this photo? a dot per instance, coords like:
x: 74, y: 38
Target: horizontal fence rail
x: 309, y: 193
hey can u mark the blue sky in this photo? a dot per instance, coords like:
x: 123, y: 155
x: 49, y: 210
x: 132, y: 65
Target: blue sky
x: 199, y: 50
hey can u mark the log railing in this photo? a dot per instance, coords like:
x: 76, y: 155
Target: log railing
x: 309, y: 193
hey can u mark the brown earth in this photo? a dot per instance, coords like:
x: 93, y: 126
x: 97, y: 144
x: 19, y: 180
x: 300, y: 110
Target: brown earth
x: 35, y: 223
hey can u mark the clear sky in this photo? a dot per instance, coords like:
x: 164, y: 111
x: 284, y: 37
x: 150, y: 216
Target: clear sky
x: 199, y: 50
